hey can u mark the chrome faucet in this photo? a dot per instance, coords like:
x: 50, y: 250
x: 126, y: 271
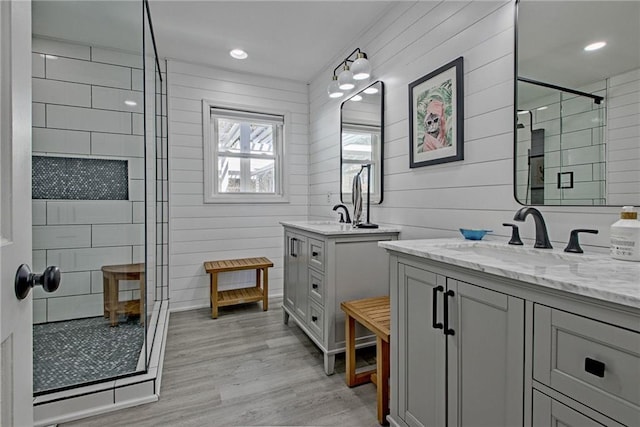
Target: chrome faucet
x: 346, y: 217
x: 542, y: 237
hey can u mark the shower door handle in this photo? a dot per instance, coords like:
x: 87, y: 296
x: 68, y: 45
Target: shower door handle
x: 25, y: 280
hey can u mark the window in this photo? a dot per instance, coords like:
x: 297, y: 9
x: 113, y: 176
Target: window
x: 359, y: 142
x: 243, y: 156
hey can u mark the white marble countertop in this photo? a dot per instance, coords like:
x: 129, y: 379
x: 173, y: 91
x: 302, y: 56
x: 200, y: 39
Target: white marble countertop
x: 594, y: 275
x: 333, y: 228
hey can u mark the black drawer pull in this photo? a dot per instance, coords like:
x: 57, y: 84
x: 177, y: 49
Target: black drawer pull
x: 314, y: 253
x: 292, y: 248
x: 314, y: 318
x: 447, y: 330
x: 594, y: 367
x: 434, y: 301
x: 314, y: 285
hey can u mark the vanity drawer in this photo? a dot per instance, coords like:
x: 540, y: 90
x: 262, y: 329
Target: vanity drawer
x: 315, y: 320
x: 316, y: 254
x: 592, y: 362
x: 316, y: 286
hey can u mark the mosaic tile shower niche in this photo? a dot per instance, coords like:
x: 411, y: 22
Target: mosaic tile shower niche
x: 74, y: 178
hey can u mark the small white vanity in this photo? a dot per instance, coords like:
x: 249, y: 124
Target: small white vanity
x: 326, y: 263
x: 484, y: 333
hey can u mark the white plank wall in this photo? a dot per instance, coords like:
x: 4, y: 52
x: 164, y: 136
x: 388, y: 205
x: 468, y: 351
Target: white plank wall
x: 409, y: 41
x: 623, y: 155
x: 200, y: 232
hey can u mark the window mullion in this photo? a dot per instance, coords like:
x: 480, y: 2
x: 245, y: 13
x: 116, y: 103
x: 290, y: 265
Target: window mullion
x: 245, y: 163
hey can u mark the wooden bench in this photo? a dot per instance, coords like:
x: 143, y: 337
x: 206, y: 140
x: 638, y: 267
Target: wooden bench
x: 373, y: 314
x: 111, y: 276
x: 242, y: 295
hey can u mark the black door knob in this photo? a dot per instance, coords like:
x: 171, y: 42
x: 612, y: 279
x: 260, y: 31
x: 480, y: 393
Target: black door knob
x: 25, y: 280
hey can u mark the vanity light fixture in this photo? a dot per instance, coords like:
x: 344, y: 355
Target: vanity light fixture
x: 238, y: 54
x: 595, y: 46
x: 360, y: 69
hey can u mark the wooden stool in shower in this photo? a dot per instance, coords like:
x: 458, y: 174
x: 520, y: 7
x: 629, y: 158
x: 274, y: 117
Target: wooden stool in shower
x: 112, y: 274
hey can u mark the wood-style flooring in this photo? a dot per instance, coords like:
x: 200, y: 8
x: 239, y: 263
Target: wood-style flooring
x: 247, y: 368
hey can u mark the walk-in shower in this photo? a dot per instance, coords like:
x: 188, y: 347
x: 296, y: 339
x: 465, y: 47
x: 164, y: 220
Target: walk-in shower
x: 99, y: 189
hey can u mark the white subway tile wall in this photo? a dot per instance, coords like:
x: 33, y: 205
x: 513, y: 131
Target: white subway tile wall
x: 79, y: 110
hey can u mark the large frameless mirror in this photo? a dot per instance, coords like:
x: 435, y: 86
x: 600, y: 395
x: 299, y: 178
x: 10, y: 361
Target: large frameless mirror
x: 577, y: 125
x: 361, y: 140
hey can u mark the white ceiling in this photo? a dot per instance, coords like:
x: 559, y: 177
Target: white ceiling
x: 288, y: 39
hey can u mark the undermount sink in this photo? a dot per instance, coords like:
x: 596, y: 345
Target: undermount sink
x: 535, y: 257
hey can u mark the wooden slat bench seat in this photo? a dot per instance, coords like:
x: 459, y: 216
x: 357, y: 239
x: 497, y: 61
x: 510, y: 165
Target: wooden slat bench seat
x: 259, y: 292
x: 375, y: 315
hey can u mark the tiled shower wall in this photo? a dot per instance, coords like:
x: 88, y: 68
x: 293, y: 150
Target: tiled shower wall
x: 574, y: 141
x: 79, y: 111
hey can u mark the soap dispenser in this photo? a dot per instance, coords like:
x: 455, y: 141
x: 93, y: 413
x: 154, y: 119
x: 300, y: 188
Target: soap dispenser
x: 625, y: 236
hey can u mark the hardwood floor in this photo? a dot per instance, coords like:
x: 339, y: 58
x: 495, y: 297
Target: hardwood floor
x: 247, y: 368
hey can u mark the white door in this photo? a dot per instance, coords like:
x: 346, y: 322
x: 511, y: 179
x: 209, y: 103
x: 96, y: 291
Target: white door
x: 16, y: 376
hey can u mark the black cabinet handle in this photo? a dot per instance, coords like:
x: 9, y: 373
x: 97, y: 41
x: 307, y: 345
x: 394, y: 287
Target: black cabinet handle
x: 447, y: 331
x: 292, y: 248
x: 594, y: 367
x: 314, y: 318
x: 434, y: 301
x: 315, y: 253
x: 314, y: 285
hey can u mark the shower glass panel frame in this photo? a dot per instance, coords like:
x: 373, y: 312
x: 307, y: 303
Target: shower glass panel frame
x: 59, y: 48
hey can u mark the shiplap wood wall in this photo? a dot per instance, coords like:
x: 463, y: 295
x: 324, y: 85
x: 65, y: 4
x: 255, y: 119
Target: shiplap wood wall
x: 409, y: 41
x: 201, y: 232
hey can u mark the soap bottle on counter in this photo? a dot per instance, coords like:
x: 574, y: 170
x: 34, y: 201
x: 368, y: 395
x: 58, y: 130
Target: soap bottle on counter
x: 625, y: 236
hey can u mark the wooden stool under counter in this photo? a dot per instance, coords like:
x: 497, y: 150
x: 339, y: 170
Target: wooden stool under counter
x: 111, y: 276
x: 242, y: 295
x: 375, y: 315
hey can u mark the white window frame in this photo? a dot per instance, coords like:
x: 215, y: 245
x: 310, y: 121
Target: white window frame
x: 281, y: 184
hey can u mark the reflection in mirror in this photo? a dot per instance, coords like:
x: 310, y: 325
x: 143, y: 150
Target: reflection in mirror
x: 362, y: 138
x: 577, y: 127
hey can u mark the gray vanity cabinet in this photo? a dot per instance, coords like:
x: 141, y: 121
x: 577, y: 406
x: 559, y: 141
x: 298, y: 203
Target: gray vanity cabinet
x: 474, y: 374
x: 325, y: 268
x: 296, y: 271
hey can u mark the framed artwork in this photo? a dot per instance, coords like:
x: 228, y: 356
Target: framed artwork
x: 436, y: 116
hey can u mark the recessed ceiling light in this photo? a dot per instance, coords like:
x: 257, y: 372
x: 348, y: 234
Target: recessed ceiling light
x: 356, y: 98
x: 595, y: 46
x: 130, y: 103
x: 238, y: 54
x: 371, y: 90
x: 544, y: 107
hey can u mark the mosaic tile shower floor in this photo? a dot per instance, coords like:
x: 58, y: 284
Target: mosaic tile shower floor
x: 83, y: 350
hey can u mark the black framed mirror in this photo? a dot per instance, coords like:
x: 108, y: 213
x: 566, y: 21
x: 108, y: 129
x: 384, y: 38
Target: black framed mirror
x: 577, y: 95
x: 362, y: 140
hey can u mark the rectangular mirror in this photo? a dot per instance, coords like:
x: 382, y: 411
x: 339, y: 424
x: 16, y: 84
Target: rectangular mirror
x: 577, y: 124
x: 361, y: 140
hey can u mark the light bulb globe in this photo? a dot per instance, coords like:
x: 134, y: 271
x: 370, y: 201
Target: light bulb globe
x: 361, y: 68
x: 345, y: 79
